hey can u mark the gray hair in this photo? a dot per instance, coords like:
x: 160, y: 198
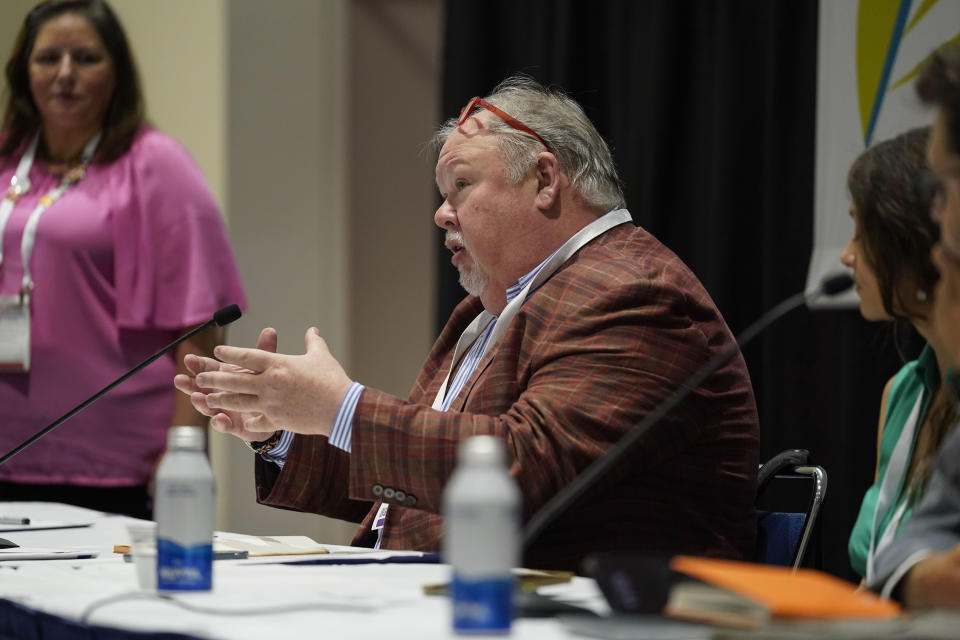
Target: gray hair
x: 582, y: 154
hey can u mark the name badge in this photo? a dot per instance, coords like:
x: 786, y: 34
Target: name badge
x: 381, y: 518
x: 14, y: 334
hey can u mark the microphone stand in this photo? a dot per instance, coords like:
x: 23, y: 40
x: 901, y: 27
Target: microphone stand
x: 222, y: 317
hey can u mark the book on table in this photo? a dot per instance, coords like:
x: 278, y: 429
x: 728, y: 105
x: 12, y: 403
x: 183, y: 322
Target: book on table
x: 745, y: 594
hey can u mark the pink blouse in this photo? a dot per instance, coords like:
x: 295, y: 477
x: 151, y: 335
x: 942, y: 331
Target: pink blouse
x: 129, y: 256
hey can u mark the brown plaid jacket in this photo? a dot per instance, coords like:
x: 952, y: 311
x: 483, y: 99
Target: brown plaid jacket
x: 605, y: 339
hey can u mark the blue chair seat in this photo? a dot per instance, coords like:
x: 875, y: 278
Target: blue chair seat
x: 785, y: 528
x: 778, y: 536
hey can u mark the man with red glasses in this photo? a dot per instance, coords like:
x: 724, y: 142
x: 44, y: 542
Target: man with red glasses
x: 577, y: 324
x: 921, y: 566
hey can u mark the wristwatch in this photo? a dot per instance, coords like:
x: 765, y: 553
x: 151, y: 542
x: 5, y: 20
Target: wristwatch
x: 263, y: 446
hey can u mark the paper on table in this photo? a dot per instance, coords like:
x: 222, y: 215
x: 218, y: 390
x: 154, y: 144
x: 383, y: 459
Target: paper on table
x: 43, y: 553
x: 267, y: 545
x: 256, y: 546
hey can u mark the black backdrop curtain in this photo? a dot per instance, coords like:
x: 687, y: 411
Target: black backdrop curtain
x: 709, y: 107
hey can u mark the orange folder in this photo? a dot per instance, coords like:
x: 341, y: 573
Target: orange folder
x: 749, y: 595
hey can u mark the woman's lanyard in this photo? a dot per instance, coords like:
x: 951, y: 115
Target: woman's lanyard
x: 20, y: 185
x: 892, y: 480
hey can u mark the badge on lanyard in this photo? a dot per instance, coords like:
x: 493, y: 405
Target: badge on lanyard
x: 379, y: 522
x: 14, y: 333
x: 381, y: 518
x: 15, y: 309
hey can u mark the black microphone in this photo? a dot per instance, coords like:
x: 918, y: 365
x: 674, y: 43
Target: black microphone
x: 221, y: 318
x: 561, y: 501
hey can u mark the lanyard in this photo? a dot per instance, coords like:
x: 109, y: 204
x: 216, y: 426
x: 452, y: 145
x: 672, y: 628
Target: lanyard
x: 479, y: 324
x: 20, y: 184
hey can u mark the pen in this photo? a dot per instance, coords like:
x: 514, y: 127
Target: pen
x: 13, y: 520
x: 217, y: 555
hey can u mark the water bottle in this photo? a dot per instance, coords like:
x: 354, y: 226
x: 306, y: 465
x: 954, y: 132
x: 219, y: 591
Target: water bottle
x: 184, y: 505
x: 481, y: 506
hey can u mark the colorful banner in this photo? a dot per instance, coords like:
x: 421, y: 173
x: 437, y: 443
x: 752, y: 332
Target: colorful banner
x: 870, y: 52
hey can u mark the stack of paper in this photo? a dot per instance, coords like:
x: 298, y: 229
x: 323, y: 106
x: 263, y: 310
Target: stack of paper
x: 266, y: 545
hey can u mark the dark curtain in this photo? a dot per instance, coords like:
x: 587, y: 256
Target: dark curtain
x: 709, y: 107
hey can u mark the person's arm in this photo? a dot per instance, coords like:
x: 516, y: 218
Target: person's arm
x: 233, y: 422
x: 322, y: 486
x: 933, y: 582
x: 855, y: 555
x: 555, y: 396
x: 883, y: 420
x: 924, y: 556
x: 173, y: 262
x: 276, y: 448
x: 184, y: 413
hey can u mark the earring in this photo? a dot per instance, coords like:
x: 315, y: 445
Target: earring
x: 921, y: 295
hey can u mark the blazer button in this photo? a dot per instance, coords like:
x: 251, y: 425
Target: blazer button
x: 400, y: 496
x: 388, y: 493
x: 377, y: 490
x: 411, y: 500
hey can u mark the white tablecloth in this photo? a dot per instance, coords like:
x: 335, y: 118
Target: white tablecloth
x: 255, y: 598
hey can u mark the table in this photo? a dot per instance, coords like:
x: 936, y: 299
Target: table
x: 257, y: 598
x: 269, y: 598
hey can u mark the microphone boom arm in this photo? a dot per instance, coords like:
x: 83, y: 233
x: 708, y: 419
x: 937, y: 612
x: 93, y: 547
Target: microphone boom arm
x: 221, y: 317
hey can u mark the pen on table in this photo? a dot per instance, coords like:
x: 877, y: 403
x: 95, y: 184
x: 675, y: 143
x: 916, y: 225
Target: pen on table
x: 14, y: 520
x: 217, y: 555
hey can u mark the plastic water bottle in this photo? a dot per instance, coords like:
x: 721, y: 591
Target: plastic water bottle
x: 184, y: 506
x: 481, y: 507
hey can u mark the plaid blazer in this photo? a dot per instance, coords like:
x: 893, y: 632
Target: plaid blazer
x: 601, y: 343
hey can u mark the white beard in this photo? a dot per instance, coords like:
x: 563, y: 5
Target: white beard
x: 472, y: 278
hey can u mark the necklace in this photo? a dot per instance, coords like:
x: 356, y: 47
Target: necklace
x: 68, y: 171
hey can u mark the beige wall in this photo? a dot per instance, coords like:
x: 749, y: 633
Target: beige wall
x: 288, y: 216
x: 393, y: 80
x: 11, y: 17
x: 321, y: 229
x: 181, y: 48
x: 307, y: 118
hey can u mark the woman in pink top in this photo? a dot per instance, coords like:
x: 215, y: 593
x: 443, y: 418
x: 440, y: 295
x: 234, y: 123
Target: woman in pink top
x: 112, y: 246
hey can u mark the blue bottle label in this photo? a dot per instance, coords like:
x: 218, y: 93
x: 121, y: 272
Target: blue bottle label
x: 482, y: 605
x: 181, y: 568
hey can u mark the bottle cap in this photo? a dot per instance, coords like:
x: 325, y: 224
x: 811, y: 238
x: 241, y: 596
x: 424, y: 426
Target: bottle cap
x: 185, y: 438
x: 482, y: 450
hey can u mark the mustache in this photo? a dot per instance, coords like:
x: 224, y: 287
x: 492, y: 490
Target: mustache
x: 454, y: 237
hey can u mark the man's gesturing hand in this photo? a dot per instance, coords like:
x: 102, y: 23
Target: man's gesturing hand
x: 277, y: 391
x: 232, y: 422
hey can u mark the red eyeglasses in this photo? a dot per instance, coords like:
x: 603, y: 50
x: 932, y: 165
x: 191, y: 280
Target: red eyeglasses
x: 510, y: 120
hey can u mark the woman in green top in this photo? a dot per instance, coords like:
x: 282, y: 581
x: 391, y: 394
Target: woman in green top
x: 890, y: 257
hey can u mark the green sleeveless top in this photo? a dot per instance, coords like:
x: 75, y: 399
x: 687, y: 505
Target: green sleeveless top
x: 916, y: 377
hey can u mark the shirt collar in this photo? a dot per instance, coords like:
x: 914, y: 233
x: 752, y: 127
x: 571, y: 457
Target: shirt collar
x: 514, y: 290
x: 927, y: 369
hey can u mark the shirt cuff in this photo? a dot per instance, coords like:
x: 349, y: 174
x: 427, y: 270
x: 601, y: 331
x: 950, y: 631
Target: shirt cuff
x: 278, y: 455
x: 902, y: 570
x: 340, y: 434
